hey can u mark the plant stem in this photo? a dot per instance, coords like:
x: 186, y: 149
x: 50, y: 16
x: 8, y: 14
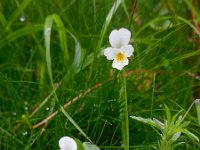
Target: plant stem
x: 198, y: 111
x: 124, y: 114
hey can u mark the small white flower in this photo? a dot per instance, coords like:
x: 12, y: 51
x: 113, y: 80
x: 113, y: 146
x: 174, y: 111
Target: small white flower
x: 120, y: 49
x: 67, y: 143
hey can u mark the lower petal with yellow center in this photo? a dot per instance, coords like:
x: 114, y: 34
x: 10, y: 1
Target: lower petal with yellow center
x: 120, y: 57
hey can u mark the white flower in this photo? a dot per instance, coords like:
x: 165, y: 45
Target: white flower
x: 67, y: 143
x: 120, y: 49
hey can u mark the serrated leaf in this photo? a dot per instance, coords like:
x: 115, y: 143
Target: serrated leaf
x: 89, y: 146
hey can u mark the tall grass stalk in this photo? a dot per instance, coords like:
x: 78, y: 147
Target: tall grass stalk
x: 124, y: 113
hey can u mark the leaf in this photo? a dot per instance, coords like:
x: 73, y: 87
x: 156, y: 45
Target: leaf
x: 47, y: 37
x: 159, y: 123
x: 144, y: 120
x: 78, y: 57
x: 74, y: 123
x: 89, y: 146
x: 88, y: 60
x: 173, y: 121
x: 176, y: 136
x: 189, y: 134
x: 168, y: 115
x: 184, y: 124
x: 79, y: 144
x: 62, y: 37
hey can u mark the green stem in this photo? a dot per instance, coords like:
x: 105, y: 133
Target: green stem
x: 198, y: 110
x: 125, y: 121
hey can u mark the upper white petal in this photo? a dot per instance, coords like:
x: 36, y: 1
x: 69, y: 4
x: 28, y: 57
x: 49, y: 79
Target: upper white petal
x: 119, y: 38
x: 67, y: 143
x: 114, y: 39
x: 124, y: 35
x: 119, y: 64
x: 110, y: 53
x: 127, y: 50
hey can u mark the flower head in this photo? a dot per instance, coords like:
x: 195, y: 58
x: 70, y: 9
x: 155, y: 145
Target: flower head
x: 121, y: 49
x: 67, y: 143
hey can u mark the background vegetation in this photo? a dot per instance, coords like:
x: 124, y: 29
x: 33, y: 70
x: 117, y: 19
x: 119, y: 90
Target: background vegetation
x: 164, y: 69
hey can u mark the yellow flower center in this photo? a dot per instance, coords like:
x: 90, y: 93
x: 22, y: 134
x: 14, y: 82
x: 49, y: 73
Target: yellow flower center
x: 120, y: 57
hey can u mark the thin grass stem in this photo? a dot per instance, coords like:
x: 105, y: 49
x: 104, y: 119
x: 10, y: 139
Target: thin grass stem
x: 125, y: 121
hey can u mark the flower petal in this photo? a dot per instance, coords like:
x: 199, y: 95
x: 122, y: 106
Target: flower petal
x: 124, y: 35
x: 119, y: 64
x: 127, y: 50
x: 67, y: 143
x: 114, y: 39
x: 110, y: 53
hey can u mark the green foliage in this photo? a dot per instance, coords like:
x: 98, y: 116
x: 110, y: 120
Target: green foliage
x: 169, y: 130
x: 51, y: 62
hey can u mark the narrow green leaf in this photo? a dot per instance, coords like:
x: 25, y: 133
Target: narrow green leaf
x: 184, y: 124
x: 88, y: 60
x: 144, y: 120
x: 79, y: 144
x: 44, y: 101
x: 159, y: 124
x: 89, y: 146
x: 195, y: 53
x: 74, y: 123
x: 78, y: 57
x: 168, y: 113
x: 47, y: 37
x: 189, y: 134
x: 62, y: 37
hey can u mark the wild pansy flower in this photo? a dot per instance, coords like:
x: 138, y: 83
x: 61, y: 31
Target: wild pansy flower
x: 67, y: 143
x: 121, y: 49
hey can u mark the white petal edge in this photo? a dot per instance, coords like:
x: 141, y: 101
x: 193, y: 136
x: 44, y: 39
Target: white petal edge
x: 67, y: 143
x: 119, y: 64
x: 114, y: 39
x: 127, y: 50
x: 110, y: 53
x: 124, y: 35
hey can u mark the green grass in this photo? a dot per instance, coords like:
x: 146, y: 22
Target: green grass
x: 55, y: 54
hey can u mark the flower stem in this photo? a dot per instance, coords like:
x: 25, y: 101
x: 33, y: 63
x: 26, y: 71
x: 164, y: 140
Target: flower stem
x: 124, y: 113
x: 198, y: 111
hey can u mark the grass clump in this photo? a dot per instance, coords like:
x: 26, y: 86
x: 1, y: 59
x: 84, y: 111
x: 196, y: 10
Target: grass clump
x: 55, y: 80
